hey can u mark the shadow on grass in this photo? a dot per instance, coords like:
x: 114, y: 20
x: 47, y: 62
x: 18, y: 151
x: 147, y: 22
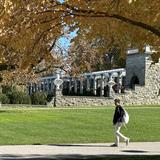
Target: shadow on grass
x: 78, y: 145
x: 134, y: 151
x: 77, y: 157
x: 2, y: 111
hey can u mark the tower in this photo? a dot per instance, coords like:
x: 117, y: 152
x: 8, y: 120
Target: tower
x: 135, y: 68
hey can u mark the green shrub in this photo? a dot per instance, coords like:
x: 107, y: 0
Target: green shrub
x: 19, y: 97
x: 26, y: 99
x: 39, y: 98
x: 4, y: 98
x: 8, y: 89
x: 15, y: 96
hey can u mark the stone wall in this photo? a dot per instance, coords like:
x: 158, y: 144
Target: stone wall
x: 150, y: 92
x: 143, y: 94
x: 82, y: 101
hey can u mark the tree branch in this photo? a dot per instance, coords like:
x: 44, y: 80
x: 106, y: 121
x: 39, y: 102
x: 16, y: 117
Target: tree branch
x: 91, y: 13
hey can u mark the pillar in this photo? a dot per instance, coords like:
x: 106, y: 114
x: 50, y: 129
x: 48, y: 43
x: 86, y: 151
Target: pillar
x: 47, y: 83
x: 52, y: 85
x: 88, y: 84
x: 94, y: 86
x: 110, y: 84
x: 119, y: 82
x: 102, y: 85
x: 70, y: 85
x: 81, y: 86
x: 44, y: 85
x: 75, y: 85
x: 35, y: 87
x: 40, y: 86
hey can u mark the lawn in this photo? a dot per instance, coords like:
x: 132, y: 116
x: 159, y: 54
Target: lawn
x: 52, y: 126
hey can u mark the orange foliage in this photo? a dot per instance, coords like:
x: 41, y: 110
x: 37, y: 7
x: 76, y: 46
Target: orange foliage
x: 28, y: 29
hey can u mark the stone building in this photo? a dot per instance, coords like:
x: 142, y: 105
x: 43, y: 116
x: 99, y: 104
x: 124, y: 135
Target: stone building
x: 142, y: 79
x: 137, y: 83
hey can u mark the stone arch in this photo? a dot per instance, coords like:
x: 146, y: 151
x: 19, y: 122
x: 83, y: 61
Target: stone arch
x: 134, y: 81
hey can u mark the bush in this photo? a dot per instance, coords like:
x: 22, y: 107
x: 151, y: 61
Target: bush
x: 4, y: 99
x: 8, y: 89
x: 15, y: 96
x: 39, y: 98
x: 26, y: 99
x: 19, y: 97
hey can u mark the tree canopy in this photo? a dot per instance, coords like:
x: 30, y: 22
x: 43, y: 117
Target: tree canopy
x: 29, y: 31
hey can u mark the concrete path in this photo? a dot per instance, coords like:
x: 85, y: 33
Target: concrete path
x: 76, y: 151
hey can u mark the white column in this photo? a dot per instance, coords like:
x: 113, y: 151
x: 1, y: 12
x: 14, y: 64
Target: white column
x: 48, y: 81
x: 70, y: 85
x: 81, y: 86
x: 88, y: 84
x: 102, y: 85
x: 51, y: 81
x: 31, y: 88
x: 119, y: 82
x: 105, y: 80
x: 111, y: 92
x: 94, y: 85
x: 44, y: 85
x: 35, y: 87
x: 38, y: 86
x: 75, y: 85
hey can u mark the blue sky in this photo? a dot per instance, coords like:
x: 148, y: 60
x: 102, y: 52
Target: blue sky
x: 64, y: 42
x: 61, y: 1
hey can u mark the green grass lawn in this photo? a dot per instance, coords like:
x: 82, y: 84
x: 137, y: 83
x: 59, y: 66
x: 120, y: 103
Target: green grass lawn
x: 52, y: 126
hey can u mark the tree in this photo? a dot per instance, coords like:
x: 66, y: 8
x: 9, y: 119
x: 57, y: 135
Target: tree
x: 126, y: 23
x: 27, y: 36
x: 29, y: 29
x: 85, y: 57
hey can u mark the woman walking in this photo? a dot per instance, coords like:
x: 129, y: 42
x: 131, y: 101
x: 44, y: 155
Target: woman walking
x: 118, y: 122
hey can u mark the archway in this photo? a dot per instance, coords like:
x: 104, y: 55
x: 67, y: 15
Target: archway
x: 134, y: 81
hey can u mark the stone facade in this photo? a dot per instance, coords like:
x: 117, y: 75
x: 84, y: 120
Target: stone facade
x: 142, y: 84
x: 77, y: 101
x: 148, y: 93
x: 135, y: 68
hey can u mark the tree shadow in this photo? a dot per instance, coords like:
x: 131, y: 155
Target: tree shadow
x: 77, y: 157
x: 2, y: 111
x: 78, y: 145
x: 134, y: 151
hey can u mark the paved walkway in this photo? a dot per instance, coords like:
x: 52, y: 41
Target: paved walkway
x: 76, y: 151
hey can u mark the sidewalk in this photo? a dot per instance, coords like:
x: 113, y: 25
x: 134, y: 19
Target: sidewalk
x: 76, y: 151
